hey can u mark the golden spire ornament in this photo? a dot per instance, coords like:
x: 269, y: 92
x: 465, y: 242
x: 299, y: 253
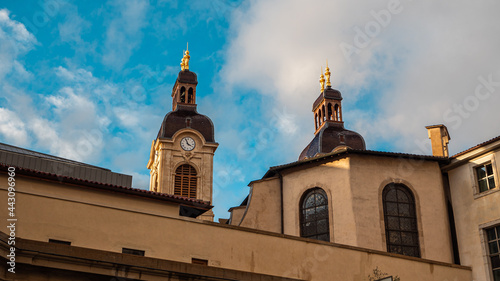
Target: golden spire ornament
x: 322, y: 80
x: 327, y: 75
x: 185, y: 59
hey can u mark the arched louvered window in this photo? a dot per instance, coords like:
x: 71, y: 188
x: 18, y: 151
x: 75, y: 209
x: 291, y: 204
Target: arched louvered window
x: 185, y: 181
x: 400, y: 218
x: 314, y: 215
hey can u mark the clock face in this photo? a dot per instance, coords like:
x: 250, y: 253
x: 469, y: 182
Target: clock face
x: 188, y: 144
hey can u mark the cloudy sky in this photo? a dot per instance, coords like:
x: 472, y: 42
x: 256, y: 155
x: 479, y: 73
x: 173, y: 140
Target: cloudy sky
x: 91, y: 81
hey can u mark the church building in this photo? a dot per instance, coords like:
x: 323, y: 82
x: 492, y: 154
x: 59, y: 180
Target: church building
x: 340, y: 212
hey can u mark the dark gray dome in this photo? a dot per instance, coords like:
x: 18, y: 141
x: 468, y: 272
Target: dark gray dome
x: 178, y: 120
x: 331, y: 136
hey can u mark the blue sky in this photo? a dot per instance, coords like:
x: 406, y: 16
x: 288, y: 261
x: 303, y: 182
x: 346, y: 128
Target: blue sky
x: 91, y: 81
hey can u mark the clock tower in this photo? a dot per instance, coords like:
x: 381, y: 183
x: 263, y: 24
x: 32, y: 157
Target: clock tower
x: 181, y: 158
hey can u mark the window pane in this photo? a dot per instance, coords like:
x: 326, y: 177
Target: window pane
x: 324, y: 237
x: 320, y: 200
x: 482, y: 185
x: 409, y: 251
x: 491, y: 234
x: 481, y: 172
x: 489, y: 170
x: 310, y: 215
x: 321, y: 212
x: 391, y: 196
x: 407, y: 224
x: 498, y: 231
x: 309, y: 228
x: 392, y: 209
x: 404, y: 210
x: 395, y: 249
x: 493, y: 247
x: 402, y: 196
x: 394, y: 237
x: 309, y: 202
x: 496, y: 275
x: 491, y: 182
x: 408, y: 238
x: 495, y: 262
x: 323, y: 226
x: 393, y: 223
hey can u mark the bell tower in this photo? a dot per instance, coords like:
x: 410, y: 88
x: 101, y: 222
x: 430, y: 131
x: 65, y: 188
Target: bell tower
x: 329, y: 131
x: 181, y: 158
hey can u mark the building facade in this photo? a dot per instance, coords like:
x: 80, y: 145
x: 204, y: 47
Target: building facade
x: 340, y: 212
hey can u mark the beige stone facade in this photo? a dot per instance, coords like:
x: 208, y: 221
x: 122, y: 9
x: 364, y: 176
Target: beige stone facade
x: 105, y: 222
x: 475, y: 211
x: 353, y: 182
x: 339, y: 213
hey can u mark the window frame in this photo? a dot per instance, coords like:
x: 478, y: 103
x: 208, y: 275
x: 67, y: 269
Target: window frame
x: 302, y: 222
x: 479, y: 162
x: 486, y: 177
x: 483, y: 230
x: 178, y: 190
x: 413, y: 204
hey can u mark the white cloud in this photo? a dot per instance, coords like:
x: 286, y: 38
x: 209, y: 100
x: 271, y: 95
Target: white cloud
x: 16, y: 41
x: 124, y: 33
x: 419, y: 63
x: 12, y: 127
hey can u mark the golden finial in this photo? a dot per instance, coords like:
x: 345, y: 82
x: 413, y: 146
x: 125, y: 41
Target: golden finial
x: 327, y: 74
x: 185, y: 59
x: 322, y: 80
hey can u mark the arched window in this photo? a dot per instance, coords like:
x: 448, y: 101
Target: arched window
x: 336, y: 113
x: 319, y: 117
x: 400, y: 219
x: 324, y: 113
x: 183, y: 94
x: 316, y: 120
x: 190, y: 96
x: 330, y: 113
x: 314, y: 215
x: 185, y: 181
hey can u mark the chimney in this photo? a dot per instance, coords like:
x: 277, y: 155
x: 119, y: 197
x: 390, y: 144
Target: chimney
x: 439, y: 139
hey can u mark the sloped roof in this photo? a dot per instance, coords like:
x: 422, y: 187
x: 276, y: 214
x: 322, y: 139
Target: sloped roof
x: 108, y: 187
x: 343, y: 152
x: 36, y: 161
x: 477, y: 146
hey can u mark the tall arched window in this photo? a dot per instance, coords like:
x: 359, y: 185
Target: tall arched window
x: 336, y: 113
x: 400, y: 218
x: 314, y: 215
x: 185, y: 181
x: 324, y: 113
x: 316, y: 120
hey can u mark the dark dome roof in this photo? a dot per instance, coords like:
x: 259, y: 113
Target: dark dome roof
x: 177, y: 120
x: 186, y: 76
x: 328, y: 93
x: 330, y: 137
